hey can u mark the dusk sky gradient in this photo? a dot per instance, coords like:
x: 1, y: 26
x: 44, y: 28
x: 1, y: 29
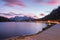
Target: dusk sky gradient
x: 28, y: 7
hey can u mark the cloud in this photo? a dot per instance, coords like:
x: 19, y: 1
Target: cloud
x: 10, y: 15
x: 6, y: 14
x: 53, y: 2
x: 42, y: 14
x: 13, y: 3
x: 49, y: 2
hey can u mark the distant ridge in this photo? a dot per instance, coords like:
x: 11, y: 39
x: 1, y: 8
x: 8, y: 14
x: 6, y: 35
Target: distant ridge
x: 24, y: 18
x: 3, y: 19
x: 16, y: 18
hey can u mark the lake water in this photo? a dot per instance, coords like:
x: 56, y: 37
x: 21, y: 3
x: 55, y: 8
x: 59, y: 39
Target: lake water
x: 11, y: 29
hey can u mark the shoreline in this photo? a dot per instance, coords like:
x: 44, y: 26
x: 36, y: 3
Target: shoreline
x: 23, y: 37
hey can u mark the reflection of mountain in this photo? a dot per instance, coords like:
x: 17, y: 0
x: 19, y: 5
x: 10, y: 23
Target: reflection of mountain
x: 54, y: 15
x: 24, y: 18
x: 2, y: 19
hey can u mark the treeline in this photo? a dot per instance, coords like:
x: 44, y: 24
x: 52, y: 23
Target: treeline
x: 3, y: 19
x: 54, y: 15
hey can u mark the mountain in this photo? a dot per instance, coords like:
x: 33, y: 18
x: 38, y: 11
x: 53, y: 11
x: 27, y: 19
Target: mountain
x: 54, y: 15
x: 24, y: 18
x: 16, y: 18
x: 3, y: 19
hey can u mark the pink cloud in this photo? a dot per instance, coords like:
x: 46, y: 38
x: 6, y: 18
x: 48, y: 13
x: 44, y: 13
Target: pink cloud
x: 49, y: 2
x: 53, y: 2
x: 13, y: 3
x: 10, y: 15
x: 42, y: 14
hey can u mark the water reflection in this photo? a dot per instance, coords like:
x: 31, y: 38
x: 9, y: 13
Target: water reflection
x: 8, y: 29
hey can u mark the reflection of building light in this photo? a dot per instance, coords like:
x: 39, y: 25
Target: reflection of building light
x: 57, y: 22
x: 49, y: 21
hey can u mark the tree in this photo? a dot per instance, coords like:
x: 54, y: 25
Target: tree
x: 54, y: 15
x: 3, y: 19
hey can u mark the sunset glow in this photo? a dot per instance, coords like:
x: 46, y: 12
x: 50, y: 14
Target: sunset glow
x: 28, y: 7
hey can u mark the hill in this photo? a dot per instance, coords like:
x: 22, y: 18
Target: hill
x: 3, y: 19
x: 54, y: 15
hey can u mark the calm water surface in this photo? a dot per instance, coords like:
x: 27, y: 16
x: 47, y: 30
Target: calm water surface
x: 11, y: 29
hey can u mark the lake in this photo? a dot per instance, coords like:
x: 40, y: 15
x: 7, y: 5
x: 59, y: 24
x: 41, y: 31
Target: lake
x: 11, y: 29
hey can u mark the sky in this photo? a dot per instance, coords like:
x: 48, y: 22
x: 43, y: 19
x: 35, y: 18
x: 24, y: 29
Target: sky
x: 28, y: 7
